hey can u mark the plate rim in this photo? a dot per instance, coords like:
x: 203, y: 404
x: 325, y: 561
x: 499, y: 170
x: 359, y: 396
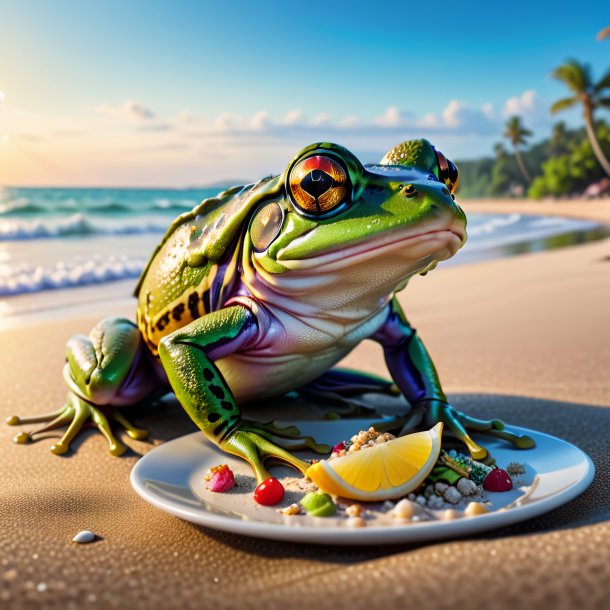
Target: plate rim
x: 401, y: 533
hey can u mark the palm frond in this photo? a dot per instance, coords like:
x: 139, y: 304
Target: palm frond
x: 575, y: 75
x: 604, y: 102
x: 563, y: 104
x: 602, y: 83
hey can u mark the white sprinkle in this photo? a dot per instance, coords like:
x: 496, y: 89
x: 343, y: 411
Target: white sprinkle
x: 41, y: 587
x: 84, y: 537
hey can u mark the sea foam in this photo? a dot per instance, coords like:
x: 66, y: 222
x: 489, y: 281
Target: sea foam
x: 21, y: 278
x: 75, y: 225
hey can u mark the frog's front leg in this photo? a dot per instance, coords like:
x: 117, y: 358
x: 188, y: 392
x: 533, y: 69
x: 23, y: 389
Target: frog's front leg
x: 413, y: 371
x: 188, y: 357
x: 105, y: 370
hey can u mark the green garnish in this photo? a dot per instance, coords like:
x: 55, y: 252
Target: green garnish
x: 319, y: 504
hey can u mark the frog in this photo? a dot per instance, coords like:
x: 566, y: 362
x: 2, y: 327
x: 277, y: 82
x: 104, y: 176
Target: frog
x: 262, y: 290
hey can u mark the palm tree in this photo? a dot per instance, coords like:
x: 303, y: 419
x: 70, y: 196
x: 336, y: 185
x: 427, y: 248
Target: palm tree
x: 577, y: 77
x: 499, y: 150
x: 558, y: 138
x: 517, y: 134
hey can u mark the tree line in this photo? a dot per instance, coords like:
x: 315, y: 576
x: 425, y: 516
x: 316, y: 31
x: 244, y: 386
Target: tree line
x: 566, y: 163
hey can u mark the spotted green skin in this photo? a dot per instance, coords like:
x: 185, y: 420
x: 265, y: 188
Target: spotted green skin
x: 209, y: 299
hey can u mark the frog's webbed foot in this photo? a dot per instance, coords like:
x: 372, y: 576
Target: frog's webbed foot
x: 76, y: 414
x: 287, y: 437
x: 337, y: 390
x: 458, y: 423
x: 258, y: 443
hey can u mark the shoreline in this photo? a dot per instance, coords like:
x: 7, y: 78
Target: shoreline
x: 27, y: 309
x: 583, y: 209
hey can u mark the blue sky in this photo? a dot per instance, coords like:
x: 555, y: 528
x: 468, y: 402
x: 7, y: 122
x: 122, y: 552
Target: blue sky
x: 200, y: 91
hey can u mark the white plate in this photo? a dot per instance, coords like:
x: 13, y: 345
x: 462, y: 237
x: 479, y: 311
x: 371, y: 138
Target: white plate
x: 171, y: 477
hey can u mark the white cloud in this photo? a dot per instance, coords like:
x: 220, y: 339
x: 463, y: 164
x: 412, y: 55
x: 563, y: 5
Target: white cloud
x: 192, y: 147
x: 294, y: 117
x: 129, y: 110
x: 189, y: 118
x: 459, y: 118
x: 524, y: 103
x: 225, y: 122
x: 392, y: 117
x: 351, y: 120
x: 321, y: 119
x: 533, y: 110
x: 487, y: 109
x: 260, y: 121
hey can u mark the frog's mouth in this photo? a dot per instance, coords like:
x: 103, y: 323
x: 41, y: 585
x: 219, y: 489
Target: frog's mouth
x: 440, y: 243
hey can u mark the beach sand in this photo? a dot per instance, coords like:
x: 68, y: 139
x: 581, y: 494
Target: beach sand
x: 526, y: 339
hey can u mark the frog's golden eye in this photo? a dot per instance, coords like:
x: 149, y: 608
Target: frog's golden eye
x: 266, y: 225
x: 318, y: 185
x: 447, y: 171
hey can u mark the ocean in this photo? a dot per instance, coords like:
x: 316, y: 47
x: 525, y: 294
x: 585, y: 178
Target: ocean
x: 60, y: 238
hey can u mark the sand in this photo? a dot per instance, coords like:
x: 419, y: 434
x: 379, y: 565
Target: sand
x: 526, y: 339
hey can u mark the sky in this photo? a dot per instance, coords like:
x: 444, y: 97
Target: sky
x: 151, y: 93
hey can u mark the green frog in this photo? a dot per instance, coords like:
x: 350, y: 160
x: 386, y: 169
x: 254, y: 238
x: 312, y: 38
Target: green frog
x: 262, y: 289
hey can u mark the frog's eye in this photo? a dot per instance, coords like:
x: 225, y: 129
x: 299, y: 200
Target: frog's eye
x: 266, y: 225
x: 318, y: 185
x: 447, y: 171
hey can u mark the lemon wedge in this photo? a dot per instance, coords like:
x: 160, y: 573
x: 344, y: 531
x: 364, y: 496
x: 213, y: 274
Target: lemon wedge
x: 383, y: 472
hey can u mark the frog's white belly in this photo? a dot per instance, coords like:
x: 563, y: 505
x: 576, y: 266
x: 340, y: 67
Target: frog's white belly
x: 292, y: 353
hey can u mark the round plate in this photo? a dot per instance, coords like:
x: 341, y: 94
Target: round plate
x: 171, y: 477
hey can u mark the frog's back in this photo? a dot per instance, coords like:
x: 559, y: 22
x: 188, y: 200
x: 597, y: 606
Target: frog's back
x: 193, y: 269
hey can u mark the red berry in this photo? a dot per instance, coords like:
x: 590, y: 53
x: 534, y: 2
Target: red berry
x: 498, y: 480
x: 269, y: 492
x: 339, y: 447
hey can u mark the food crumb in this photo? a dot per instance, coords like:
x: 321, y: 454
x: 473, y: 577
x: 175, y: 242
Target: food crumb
x: 475, y: 508
x: 466, y: 487
x: 365, y: 439
x: 356, y: 522
x: 293, y: 509
x: 354, y: 510
x: 515, y: 468
x: 405, y: 509
x: 452, y: 495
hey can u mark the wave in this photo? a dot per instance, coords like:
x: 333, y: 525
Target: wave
x: 76, y: 225
x: 180, y: 206
x: 70, y: 207
x: 494, y: 224
x: 26, y: 209
x: 110, y: 208
x: 95, y: 270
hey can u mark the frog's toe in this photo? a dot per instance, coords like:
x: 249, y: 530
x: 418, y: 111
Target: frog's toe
x: 60, y: 448
x: 75, y: 413
x: 458, y: 423
x: 496, y: 428
x: 137, y: 434
x: 289, y: 437
x: 51, y: 421
x: 253, y: 445
x: 15, y: 420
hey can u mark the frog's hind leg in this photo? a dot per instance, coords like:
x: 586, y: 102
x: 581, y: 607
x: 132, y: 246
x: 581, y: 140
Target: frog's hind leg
x: 109, y: 368
x: 339, y: 389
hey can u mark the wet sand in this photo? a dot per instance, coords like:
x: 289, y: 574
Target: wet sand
x: 526, y: 339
